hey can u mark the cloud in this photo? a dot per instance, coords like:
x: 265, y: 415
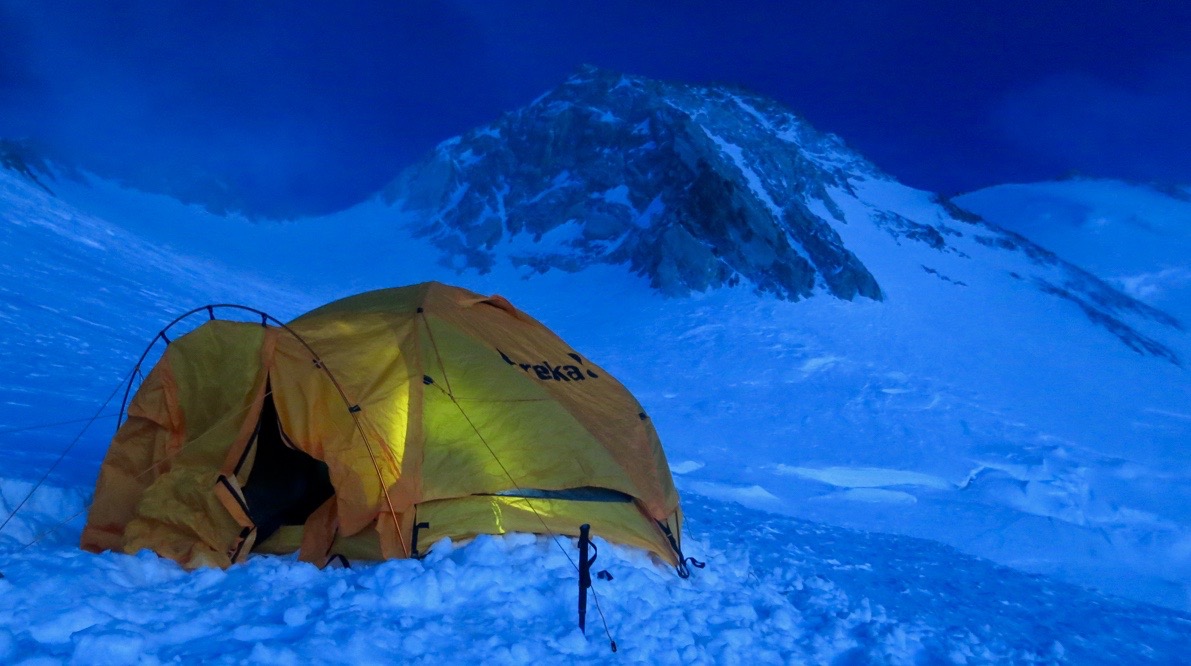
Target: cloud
x: 1136, y: 130
x: 284, y: 108
x: 281, y: 107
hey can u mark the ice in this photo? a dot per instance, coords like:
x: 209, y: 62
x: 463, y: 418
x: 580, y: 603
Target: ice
x: 686, y: 467
x: 866, y: 477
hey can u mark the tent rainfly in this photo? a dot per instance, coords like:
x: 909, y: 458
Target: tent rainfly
x: 373, y: 425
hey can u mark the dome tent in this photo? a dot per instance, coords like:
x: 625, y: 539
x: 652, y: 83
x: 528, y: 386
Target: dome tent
x: 374, y: 424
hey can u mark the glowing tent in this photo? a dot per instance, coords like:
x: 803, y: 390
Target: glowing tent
x: 373, y: 425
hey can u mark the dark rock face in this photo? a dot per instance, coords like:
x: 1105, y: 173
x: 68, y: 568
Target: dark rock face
x: 22, y: 159
x: 694, y: 187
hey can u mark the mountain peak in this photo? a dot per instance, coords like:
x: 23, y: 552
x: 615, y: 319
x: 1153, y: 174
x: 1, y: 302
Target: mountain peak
x: 695, y: 187
x: 700, y: 187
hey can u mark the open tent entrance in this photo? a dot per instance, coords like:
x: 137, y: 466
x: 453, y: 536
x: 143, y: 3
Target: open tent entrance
x: 286, y: 484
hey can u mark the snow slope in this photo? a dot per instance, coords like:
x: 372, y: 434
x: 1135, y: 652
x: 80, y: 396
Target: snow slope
x: 1135, y: 236
x: 79, y: 299
x: 998, y: 420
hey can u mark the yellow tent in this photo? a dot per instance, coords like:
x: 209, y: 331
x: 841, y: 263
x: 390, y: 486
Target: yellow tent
x: 374, y: 424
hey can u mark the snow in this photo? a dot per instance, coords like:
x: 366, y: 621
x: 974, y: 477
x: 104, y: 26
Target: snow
x: 775, y: 590
x: 865, y: 477
x: 468, y: 158
x: 618, y: 195
x: 850, y: 470
x: 1132, y: 235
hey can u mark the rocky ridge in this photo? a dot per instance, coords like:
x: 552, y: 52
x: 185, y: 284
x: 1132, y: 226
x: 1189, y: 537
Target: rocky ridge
x: 694, y: 187
x: 699, y: 187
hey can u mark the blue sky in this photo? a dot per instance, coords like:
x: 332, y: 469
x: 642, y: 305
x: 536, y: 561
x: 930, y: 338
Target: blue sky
x: 291, y: 107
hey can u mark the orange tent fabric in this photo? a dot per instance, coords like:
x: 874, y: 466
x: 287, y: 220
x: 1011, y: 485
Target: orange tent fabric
x: 373, y: 425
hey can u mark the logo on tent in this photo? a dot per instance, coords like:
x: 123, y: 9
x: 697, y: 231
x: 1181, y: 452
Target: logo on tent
x: 547, y: 371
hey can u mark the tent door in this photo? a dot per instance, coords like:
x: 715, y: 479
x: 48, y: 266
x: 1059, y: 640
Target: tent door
x: 286, y: 484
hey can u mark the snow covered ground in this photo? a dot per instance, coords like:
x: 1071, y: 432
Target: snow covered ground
x: 775, y: 591
x: 983, y: 417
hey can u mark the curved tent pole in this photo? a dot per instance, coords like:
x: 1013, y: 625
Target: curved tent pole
x: 161, y: 335
x: 266, y: 318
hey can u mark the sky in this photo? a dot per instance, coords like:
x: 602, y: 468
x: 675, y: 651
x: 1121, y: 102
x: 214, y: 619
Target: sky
x: 286, y: 108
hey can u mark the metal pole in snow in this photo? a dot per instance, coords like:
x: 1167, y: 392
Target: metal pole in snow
x: 584, y: 574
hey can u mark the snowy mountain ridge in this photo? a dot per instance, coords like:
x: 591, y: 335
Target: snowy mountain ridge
x: 696, y: 188
x: 1135, y: 236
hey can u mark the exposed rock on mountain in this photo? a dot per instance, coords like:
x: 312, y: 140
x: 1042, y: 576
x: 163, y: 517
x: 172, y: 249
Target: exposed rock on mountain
x: 694, y: 187
x: 701, y: 187
x: 23, y: 160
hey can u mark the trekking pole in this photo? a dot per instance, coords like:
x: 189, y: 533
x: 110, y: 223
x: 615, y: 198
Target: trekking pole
x: 584, y: 574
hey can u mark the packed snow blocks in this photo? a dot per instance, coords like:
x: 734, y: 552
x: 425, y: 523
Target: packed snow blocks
x: 375, y: 426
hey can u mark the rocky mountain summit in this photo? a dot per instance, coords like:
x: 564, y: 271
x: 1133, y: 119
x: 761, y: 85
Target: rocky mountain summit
x: 700, y: 187
x: 695, y: 187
